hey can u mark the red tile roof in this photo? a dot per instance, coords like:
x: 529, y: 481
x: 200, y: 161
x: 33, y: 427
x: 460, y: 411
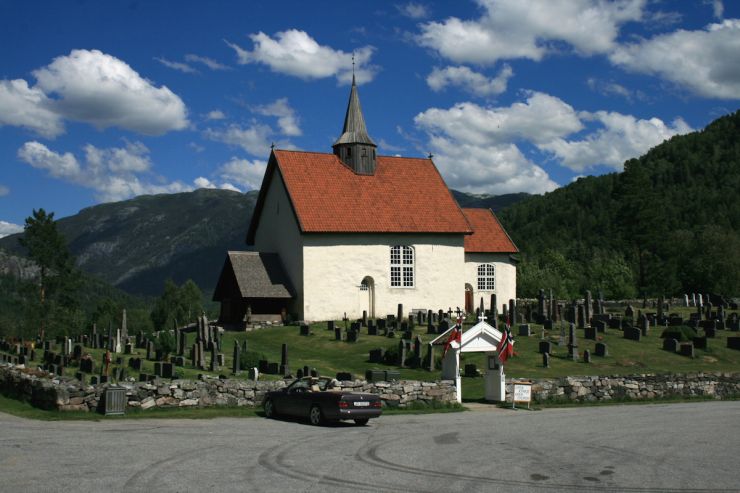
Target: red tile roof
x: 405, y: 195
x: 489, y: 236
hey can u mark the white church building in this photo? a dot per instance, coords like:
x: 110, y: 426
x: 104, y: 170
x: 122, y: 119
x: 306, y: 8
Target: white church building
x: 350, y: 231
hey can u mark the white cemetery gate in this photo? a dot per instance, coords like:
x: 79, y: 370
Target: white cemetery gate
x: 481, y: 338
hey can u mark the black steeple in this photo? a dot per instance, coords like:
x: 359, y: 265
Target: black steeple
x: 355, y: 147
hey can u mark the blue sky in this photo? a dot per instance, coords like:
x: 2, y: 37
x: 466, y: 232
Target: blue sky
x: 102, y: 101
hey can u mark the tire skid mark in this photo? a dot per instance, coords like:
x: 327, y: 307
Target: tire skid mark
x: 148, y: 473
x: 371, y: 457
x: 275, y: 460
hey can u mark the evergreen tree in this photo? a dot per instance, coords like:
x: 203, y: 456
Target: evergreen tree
x: 52, y: 306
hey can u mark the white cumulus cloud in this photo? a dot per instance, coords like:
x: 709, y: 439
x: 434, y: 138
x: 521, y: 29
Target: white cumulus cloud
x: 242, y: 172
x: 294, y: 52
x: 215, y: 115
x: 413, y: 10
x: 96, y: 88
x: 510, y: 29
x: 619, y: 138
x: 28, y: 107
x: 114, y: 173
x: 707, y: 61
x: 255, y: 139
x: 288, y: 121
x: 478, y: 148
x: 469, y: 80
x: 203, y: 182
x: 7, y: 228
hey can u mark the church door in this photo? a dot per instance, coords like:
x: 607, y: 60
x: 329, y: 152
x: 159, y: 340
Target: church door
x: 367, y: 296
x: 469, y: 298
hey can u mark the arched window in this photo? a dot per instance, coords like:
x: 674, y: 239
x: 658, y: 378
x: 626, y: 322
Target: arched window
x: 402, y: 266
x: 486, y: 278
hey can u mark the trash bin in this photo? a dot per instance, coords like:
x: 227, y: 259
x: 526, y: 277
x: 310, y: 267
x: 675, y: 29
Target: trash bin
x: 114, y: 401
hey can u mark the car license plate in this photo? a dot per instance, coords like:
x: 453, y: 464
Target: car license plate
x: 362, y: 403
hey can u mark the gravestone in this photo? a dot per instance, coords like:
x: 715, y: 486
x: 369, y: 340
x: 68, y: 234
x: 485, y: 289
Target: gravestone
x: 572, y: 343
x: 545, y: 347
x: 645, y: 326
x: 710, y: 332
x: 344, y: 376
x: 443, y: 327
x: 590, y: 333
x: 178, y: 360
x: 352, y: 335
x: 699, y: 342
x: 733, y: 343
x: 337, y: 334
x: 601, y: 349
x: 236, y: 355
x: 273, y: 368
x: 330, y: 325
x: 687, y: 349
x: 376, y: 355
x: 401, y: 354
x: 600, y: 326
x: 561, y: 341
x: 547, y: 325
x: 587, y: 356
x: 632, y: 334
x: 399, y: 314
x: 525, y: 330
x: 372, y: 330
x: 471, y: 370
x: 284, y: 365
x: 305, y: 330
x: 546, y: 360
x: 670, y: 344
x: 588, y: 305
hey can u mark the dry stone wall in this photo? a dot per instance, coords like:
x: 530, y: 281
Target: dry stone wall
x: 634, y: 387
x: 70, y: 395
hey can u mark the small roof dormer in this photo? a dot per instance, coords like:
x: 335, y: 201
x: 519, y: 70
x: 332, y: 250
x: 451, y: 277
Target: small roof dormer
x: 354, y: 147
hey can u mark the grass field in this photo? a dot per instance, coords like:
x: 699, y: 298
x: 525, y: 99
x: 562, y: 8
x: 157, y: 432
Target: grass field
x: 328, y: 356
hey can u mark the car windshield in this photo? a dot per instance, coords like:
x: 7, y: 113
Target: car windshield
x: 312, y: 384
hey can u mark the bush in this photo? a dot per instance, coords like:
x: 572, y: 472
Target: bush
x: 681, y: 333
x: 165, y: 342
x: 250, y: 359
x: 391, y: 355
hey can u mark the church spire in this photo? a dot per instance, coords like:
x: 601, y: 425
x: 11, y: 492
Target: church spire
x: 355, y: 147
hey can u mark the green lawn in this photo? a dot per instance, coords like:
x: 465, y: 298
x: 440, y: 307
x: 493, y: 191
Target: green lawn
x: 328, y: 356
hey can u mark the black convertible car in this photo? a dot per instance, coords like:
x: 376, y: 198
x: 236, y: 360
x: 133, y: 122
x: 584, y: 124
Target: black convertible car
x: 319, y: 400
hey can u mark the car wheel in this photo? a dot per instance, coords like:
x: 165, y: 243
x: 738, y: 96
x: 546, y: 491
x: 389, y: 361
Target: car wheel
x: 269, y: 409
x: 314, y: 416
x: 361, y: 421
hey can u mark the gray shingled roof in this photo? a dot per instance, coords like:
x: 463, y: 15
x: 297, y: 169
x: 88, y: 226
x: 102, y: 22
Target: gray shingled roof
x: 354, y: 131
x: 260, y: 275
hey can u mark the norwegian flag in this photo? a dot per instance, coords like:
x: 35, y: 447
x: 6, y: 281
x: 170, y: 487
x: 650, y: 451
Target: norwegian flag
x: 455, y: 335
x: 505, y: 347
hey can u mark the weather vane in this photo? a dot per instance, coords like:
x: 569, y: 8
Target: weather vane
x: 431, y: 155
x: 272, y: 146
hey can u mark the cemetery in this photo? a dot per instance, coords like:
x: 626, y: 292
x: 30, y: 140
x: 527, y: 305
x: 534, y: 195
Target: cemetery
x: 583, y: 350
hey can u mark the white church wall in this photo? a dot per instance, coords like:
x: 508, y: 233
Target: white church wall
x: 336, y: 264
x: 278, y: 232
x: 504, y: 278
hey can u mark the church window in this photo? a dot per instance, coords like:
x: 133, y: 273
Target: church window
x: 364, y: 286
x: 486, y: 278
x: 402, y: 266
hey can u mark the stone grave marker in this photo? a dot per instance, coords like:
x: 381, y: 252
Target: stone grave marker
x: 587, y: 356
x: 376, y: 355
x: 687, y: 349
x: 670, y: 344
x: 546, y: 360
x: 572, y: 343
x: 733, y: 343
x: 525, y: 330
x: 632, y: 334
x: 601, y: 349
x: 590, y: 333
x: 545, y: 347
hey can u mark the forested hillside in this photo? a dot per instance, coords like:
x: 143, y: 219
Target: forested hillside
x: 668, y: 224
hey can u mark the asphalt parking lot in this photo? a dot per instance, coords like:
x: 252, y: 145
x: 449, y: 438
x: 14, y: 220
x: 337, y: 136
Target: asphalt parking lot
x: 658, y: 447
